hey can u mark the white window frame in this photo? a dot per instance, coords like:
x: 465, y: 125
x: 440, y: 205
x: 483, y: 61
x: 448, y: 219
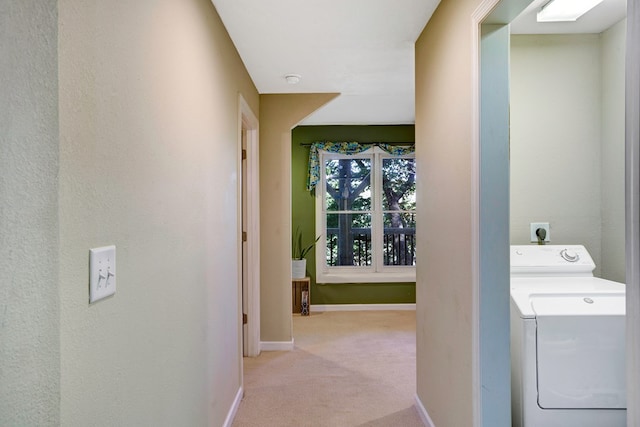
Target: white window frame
x: 377, y: 272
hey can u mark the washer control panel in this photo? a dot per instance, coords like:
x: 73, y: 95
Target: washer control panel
x: 551, y: 260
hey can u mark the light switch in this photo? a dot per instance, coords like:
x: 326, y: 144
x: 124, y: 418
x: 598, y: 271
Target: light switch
x: 102, y: 273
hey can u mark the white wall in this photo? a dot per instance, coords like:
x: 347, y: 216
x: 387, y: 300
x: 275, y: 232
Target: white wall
x: 562, y: 136
x: 613, y: 42
x: 29, y: 303
x: 149, y: 156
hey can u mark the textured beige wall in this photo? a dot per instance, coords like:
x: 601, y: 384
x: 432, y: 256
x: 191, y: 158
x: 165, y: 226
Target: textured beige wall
x: 149, y: 155
x: 444, y: 272
x: 278, y: 115
x: 29, y: 303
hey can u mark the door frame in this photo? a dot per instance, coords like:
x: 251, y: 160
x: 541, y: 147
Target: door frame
x: 632, y: 210
x: 490, y: 224
x: 249, y: 290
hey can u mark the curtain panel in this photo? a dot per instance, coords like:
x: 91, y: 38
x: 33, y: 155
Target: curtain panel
x: 348, y: 148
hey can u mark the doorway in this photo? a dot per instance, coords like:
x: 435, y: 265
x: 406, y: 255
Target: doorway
x: 492, y: 18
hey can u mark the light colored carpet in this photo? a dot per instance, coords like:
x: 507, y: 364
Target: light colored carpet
x: 347, y: 369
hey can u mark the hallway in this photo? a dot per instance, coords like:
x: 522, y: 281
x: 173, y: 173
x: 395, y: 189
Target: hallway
x: 347, y: 369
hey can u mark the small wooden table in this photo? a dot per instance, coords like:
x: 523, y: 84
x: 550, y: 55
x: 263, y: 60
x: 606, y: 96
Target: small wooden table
x: 298, y: 286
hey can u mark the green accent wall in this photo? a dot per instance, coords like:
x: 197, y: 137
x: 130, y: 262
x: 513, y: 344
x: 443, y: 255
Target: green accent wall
x: 303, y: 212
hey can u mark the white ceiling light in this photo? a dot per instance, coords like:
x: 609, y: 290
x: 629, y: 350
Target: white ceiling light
x: 565, y: 10
x: 292, y: 79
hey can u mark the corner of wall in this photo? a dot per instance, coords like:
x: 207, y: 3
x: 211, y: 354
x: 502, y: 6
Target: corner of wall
x: 278, y: 115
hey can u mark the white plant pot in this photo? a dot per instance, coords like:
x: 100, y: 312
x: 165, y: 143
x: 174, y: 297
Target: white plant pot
x: 298, y: 268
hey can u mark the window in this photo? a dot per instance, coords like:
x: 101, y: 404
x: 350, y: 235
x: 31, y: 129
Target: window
x: 365, y: 215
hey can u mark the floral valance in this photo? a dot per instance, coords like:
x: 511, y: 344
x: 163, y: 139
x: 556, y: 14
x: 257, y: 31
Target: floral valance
x: 348, y: 148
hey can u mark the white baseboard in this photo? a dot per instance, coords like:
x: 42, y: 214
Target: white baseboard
x: 276, y: 345
x: 424, y: 415
x: 361, y: 307
x: 234, y: 408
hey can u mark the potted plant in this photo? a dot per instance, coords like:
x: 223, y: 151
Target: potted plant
x: 299, y: 262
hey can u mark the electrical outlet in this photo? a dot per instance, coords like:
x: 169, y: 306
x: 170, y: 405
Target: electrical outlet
x: 102, y: 273
x: 534, y: 228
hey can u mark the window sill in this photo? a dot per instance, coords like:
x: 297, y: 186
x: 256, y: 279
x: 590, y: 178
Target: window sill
x: 350, y: 277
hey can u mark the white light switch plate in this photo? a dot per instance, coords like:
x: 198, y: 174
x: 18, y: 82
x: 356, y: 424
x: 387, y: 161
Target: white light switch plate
x: 102, y: 273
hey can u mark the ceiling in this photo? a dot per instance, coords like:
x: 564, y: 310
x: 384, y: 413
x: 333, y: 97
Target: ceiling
x: 363, y: 49
x: 596, y: 20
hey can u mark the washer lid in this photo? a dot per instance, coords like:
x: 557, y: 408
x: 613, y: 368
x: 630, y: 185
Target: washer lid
x: 525, y: 289
x: 581, y: 351
x: 580, y: 304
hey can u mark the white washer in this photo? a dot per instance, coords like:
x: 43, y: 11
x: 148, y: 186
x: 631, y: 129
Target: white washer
x: 567, y: 340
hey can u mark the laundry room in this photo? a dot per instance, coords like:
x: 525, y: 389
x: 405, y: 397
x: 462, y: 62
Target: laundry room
x: 567, y: 175
x: 567, y: 142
